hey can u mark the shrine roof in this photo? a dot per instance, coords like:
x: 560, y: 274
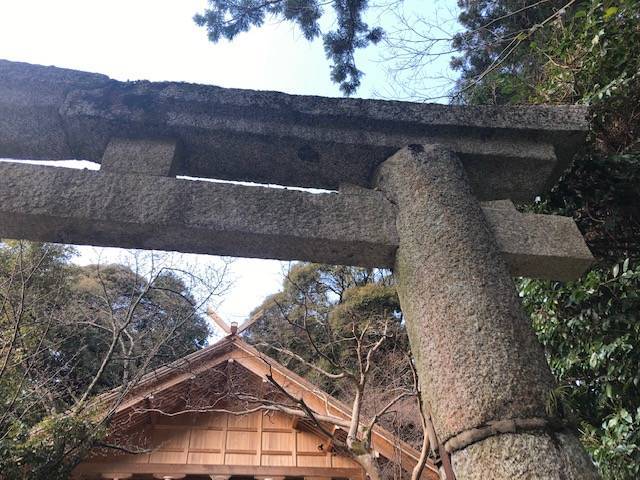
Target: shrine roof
x: 159, y: 387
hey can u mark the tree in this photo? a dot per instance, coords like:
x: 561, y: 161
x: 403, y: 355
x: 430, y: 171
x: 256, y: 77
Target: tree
x: 67, y: 333
x: 494, y: 62
x: 342, y: 327
x: 103, y: 298
x: 228, y: 18
x: 305, y: 307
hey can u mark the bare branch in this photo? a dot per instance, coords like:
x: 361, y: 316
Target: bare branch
x: 333, y: 376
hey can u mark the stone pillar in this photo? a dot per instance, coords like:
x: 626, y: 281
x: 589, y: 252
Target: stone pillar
x: 481, y: 368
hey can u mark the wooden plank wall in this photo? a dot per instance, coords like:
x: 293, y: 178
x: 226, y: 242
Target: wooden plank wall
x: 265, y: 439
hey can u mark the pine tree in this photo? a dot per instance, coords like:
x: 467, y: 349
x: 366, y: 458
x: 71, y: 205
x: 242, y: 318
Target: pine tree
x: 228, y: 18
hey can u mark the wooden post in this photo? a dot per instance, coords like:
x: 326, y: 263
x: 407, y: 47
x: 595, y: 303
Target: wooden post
x: 259, y: 442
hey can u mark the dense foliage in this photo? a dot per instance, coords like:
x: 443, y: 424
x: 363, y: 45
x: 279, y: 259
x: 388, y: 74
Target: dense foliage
x: 579, y: 52
x: 590, y: 331
x: 228, y: 18
x: 514, y: 51
x: 68, y: 333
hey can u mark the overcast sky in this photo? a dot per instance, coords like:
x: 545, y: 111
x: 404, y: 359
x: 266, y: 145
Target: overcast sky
x: 157, y: 40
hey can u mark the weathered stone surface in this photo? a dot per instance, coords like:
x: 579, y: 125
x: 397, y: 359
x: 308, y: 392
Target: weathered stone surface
x: 474, y: 344
x: 524, y: 239
x: 30, y: 101
x: 525, y: 456
x: 475, y: 351
x: 354, y: 227
x: 269, y: 137
x: 135, y: 211
x: 158, y: 157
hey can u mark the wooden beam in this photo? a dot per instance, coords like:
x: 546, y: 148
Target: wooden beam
x: 294, y: 443
x: 259, y: 443
x: 213, y: 315
x: 225, y: 437
x: 171, y: 469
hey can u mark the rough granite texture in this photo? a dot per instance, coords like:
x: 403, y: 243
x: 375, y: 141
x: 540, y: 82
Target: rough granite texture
x: 538, y: 246
x: 159, y: 157
x: 525, y: 456
x: 270, y: 137
x: 135, y: 211
x: 476, y: 354
x: 354, y: 227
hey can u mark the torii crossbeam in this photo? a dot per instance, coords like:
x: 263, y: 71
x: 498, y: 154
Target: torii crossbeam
x: 423, y: 189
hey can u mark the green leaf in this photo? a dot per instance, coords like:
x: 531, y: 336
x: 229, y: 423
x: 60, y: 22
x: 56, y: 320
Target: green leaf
x: 610, y: 12
x: 593, y: 360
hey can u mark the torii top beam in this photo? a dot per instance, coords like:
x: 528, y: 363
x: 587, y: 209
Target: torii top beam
x: 272, y: 138
x: 143, y: 131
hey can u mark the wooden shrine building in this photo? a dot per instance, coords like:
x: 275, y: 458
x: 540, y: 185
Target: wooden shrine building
x: 182, y: 421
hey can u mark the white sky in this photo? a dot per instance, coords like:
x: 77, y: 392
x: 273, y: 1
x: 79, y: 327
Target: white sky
x: 158, y: 40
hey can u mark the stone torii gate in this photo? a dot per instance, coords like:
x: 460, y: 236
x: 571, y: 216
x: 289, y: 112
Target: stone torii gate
x: 423, y: 189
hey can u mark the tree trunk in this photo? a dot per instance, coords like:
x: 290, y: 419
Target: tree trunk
x: 368, y: 463
x: 476, y: 354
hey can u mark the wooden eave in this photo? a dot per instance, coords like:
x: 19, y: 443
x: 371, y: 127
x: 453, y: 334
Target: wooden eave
x: 232, y: 347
